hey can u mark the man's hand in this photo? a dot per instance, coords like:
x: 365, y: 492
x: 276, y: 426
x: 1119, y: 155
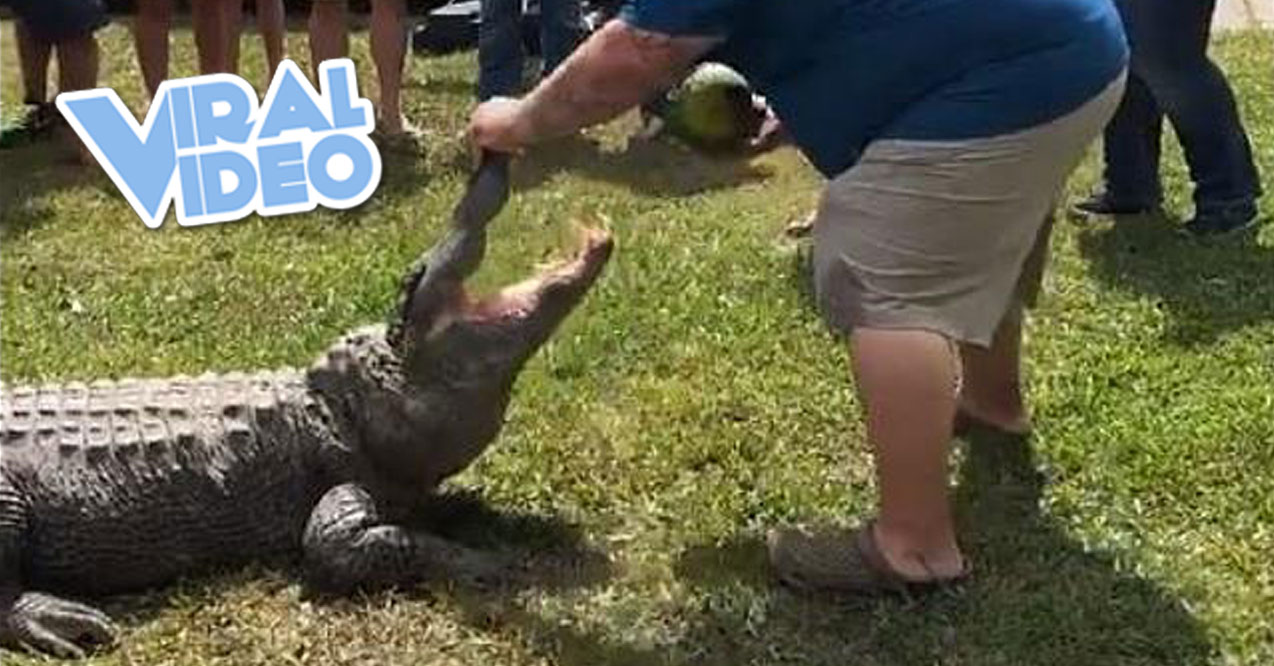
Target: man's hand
x: 499, y: 124
x: 771, y: 135
x: 615, y: 69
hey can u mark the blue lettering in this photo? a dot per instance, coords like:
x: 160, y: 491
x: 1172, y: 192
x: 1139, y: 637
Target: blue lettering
x: 282, y: 175
x: 183, y: 116
x: 191, y: 197
x: 319, y: 162
x: 290, y: 105
x: 141, y: 168
x: 230, y: 157
x: 234, y: 125
x: 213, y: 166
x: 337, y: 88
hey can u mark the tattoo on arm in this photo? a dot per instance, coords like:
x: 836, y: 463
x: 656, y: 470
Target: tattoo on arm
x: 616, y: 69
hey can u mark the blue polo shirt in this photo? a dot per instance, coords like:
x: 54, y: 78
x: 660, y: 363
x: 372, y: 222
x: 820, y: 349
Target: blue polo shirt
x: 842, y: 73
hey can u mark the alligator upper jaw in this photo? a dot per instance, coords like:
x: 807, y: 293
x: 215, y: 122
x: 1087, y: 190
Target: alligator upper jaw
x: 567, y: 279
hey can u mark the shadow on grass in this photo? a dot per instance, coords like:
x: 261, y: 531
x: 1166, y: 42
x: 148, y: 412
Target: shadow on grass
x: 404, y: 169
x: 1038, y: 597
x: 550, y: 553
x: 1208, y: 287
x: 554, y: 555
x: 28, y: 172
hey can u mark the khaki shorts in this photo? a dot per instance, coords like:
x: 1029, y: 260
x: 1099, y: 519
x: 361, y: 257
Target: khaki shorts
x: 947, y: 236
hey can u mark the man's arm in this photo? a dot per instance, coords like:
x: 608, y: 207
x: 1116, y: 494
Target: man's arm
x: 616, y: 69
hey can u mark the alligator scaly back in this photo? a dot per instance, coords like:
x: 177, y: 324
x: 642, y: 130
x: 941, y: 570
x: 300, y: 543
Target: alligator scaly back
x: 228, y: 465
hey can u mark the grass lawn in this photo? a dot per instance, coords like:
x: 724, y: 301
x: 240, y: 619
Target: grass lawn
x: 694, y: 400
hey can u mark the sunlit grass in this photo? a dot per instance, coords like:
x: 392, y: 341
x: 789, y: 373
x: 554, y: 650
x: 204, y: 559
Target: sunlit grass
x: 694, y: 400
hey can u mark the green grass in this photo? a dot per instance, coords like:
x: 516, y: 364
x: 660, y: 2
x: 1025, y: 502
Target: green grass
x: 694, y: 400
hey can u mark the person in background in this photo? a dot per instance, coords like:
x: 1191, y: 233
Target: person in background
x: 1173, y: 76
x: 947, y: 131
x: 500, y: 47
x: 329, y: 38
x: 46, y: 27
x: 271, y: 19
x: 216, y: 26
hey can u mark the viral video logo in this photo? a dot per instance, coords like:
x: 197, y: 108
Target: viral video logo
x: 207, y: 145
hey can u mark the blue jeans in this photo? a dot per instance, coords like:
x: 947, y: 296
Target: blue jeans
x: 500, y: 51
x: 1172, y: 75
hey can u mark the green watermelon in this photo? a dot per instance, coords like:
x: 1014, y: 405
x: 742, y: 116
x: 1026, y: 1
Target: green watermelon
x: 713, y: 109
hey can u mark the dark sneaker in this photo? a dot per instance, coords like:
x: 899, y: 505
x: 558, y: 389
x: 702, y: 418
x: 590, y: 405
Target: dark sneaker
x: 1104, y: 204
x: 1220, y: 220
x: 36, y: 124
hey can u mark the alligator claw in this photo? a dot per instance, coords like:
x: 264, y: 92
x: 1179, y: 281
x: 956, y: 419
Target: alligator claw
x: 44, y: 623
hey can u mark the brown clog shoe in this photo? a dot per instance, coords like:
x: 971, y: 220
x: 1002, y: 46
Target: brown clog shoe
x: 843, y: 562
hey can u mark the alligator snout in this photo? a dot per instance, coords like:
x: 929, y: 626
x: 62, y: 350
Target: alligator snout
x: 566, y: 281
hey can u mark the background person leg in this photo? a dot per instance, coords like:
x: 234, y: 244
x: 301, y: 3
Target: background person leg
x: 500, y: 49
x: 150, y: 34
x: 34, y: 56
x: 389, y: 49
x: 329, y: 36
x: 272, y: 24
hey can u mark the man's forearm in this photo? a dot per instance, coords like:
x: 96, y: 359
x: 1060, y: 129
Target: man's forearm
x: 616, y: 69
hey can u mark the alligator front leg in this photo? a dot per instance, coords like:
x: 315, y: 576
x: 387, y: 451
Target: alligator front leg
x: 41, y: 622
x: 32, y: 620
x: 350, y: 545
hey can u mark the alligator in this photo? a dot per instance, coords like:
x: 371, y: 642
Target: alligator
x: 117, y: 486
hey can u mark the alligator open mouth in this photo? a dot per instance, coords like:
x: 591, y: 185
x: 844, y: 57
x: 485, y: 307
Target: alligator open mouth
x: 518, y: 301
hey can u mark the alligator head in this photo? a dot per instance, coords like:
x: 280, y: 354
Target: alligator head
x: 426, y: 395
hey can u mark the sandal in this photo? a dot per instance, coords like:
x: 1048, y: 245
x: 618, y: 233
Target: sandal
x: 409, y: 139
x: 844, y: 562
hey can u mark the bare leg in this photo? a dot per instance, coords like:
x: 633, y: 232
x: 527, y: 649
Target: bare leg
x: 991, y: 390
x: 209, y: 19
x: 272, y: 23
x: 328, y: 35
x: 233, y: 27
x: 388, y: 50
x: 77, y: 64
x: 77, y: 70
x: 34, y: 56
x: 905, y: 379
x: 150, y: 34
